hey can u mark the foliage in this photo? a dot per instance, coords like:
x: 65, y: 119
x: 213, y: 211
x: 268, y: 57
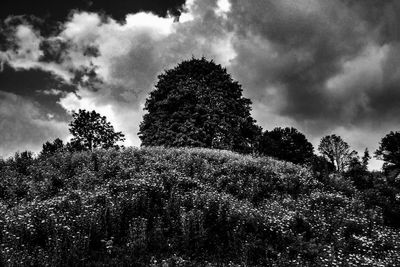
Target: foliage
x: 286, y: 144
x: 190, y: 207
x: 22, y: 161
x: 320, y: 167
x: 90, y: 130
x: 357, y: 171
x: 389, y: 152
x: 365, y: 159
x: 197, y: 104
x: 336, y: 151
x: 50, y: 148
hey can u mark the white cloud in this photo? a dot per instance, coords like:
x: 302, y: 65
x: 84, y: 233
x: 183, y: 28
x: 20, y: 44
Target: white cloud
x: 51, y: 92
x: 28, y: 53
x: 224, y: 6
x: 28, y: 42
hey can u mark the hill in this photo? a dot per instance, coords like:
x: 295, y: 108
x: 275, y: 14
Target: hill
x: 186, y: 207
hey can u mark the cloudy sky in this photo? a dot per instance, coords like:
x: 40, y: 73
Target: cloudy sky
x: 322, y: 66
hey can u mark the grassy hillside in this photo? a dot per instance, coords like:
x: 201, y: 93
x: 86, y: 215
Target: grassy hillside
x: 185, y: 207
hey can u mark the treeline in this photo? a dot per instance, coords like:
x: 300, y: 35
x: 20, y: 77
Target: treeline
x: 198, y: 104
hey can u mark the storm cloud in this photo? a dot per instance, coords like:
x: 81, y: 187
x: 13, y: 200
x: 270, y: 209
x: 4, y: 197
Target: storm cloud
x: 318, y: 65
x: 23, y: 122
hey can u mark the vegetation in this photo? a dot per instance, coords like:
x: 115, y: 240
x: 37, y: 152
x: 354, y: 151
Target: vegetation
x: 286, y: 144
x: 189, y: 207
x: 50, y: 148
x: 90, y: 130
x: 389, y: 152
x: 337, y: 151
x: 197, y: 104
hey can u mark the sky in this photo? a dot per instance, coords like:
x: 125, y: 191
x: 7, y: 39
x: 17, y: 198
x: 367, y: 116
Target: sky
x: 321, y: 66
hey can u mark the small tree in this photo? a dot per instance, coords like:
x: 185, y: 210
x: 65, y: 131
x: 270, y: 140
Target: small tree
x: 337, y: 151
x: 365, y: 159
x: 357, y: 171
x: 22, y: 161
x: 389, y: 152
x: 286, y: 144
x: 197, y: 104
x: 321, y: 167
x: 90, y: 130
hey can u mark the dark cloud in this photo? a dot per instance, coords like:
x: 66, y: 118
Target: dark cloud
x: 38, y: 86
x: 382, y: 15
x: 324, y: 66
x: 309, y: 42
x: 54, y: 50
x: 53, y: 11
x: 298, y: 48
x: 25, y: 126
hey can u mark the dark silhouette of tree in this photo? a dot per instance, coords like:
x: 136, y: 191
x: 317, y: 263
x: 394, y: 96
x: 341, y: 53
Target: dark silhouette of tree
x: 49, y: 148
x: 321, y: 167
x: 365, y: 159
x: 90, y: 130
x: 357, y: 171
x: 2, y: 164
x: 22, y: 161
x: 337, y: 151
x: 389, y: 152
x: 75, y: 146
x: 286, y: 144
x: 197, y: 104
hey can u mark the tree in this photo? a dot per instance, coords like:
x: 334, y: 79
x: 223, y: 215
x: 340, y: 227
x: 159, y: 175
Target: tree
x: 22, y: 161
x: 90, y: 130
x: 49, y: 148
x: 389, y: 152
x: 365, y: 159
x: 337, y: 151
x: 197, y: 104
x: 357, y: 171
x: 321, y: 167
x: 286, y: 144
x: 75, y: 146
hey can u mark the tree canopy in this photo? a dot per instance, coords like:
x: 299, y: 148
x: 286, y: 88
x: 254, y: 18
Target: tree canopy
x: 389, y: 152
x: 90, y: 130
x: 336, y: 151
x: 197, y: 104
x: 49, y: 148
x: 286, y: 144
x: 357, y: 171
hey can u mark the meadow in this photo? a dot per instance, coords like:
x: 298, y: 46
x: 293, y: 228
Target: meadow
x: 189, y: 207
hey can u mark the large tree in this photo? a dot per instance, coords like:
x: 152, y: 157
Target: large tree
x: 389, y: 152
x: 197, y: 104
x: 286, y: 144
x: 337, y: 151
x: 90, y: 130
